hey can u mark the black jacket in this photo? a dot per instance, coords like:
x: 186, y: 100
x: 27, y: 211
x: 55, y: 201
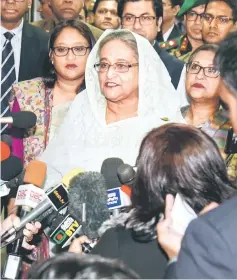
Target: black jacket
x: 146, y: 259
x: 34, y: 52
x: 172, y: 64
x: 209, y: 247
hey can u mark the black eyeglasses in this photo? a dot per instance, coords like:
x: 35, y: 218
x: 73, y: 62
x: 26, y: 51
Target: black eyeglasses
x: 210, y: 71
x: 77, y: 51
x: 219, y: 19
x: 192, y: 15
x: 118, y: 67
x: 144, y: 20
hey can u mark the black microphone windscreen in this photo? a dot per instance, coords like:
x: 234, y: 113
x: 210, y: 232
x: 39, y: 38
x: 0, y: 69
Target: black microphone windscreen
x: 24, y: 119
x: 88, y: 201
x: 7, y: 139
x: 16, y: 181
x: 109, y: 171
x: 126, y: 174
x: 10, y: 168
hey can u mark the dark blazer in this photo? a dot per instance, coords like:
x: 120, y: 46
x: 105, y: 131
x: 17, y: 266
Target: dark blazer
x: 209, y: 247
x: 145, y: 258
x: 176, y: 32
x: 172, y: 64
x: 34, y: 51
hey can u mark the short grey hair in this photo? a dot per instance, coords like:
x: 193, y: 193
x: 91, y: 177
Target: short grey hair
x: 124, y: 36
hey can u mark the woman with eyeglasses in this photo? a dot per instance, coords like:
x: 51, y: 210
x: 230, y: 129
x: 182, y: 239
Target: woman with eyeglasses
x: 202, y: 88
x: 50, y: 96
x: 128, y: 92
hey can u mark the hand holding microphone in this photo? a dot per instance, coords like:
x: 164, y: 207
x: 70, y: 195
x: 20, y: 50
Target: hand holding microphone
x: 29, y: 231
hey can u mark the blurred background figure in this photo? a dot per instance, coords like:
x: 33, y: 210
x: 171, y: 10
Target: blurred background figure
x: 44, y: 9
x: 72, y: 266
x: 184, y: 45
x: 170, y: 30
x: 145, y: 18
x: 83, y: 14
x: 105, y: 14
x: 90, y: 17
x: 219, y: 19
x: 64, y: 10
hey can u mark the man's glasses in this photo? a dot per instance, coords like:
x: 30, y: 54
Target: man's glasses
x: 219, y: 19
x: 192, y: 16
x: 144, y: 20
x: 209, y: 71
x: 118, y: 67
x: 77, y: 51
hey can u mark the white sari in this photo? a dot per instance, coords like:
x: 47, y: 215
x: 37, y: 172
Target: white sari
x: 85, y: 140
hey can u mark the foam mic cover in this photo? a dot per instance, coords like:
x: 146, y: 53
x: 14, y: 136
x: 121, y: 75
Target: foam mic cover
x: 24, y: 119
x: 126, y: 174
x: 35, y: 173
x: 10, y: 168
x: 109, y: 171
x: 7, y: 139
x: 88, y: 201
x: 5, y: 151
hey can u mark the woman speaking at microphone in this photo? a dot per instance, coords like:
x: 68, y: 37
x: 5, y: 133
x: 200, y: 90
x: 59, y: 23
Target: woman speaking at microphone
x: 128, y: 92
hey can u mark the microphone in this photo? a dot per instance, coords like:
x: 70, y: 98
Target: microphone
x: 30, y: 194
x: 126, y: 174
x: 87, y: 209
x: 10, y: 168
x: 7, y: 139
x: 5, y: 151
x: 23, y: 119
x: 117, y: 199
x: 56, y: 198
x: 28, y: 197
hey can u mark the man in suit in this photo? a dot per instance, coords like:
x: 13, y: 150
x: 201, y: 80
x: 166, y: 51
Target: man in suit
x: 209, y: 247
x: 65, y: 9
x: 170, y: 10
x: 29, y: 44
x: 145, y: 18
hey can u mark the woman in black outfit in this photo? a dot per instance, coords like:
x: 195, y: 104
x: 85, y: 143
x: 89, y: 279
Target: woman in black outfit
x: 174, y: 158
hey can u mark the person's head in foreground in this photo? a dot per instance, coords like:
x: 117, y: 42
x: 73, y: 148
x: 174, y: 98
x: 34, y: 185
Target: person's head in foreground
x: 72, y: 266
x: 178, y: 158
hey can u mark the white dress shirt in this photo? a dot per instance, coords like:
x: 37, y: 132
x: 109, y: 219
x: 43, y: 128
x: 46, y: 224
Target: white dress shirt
x: 16, y: 44
x: 167, y: 33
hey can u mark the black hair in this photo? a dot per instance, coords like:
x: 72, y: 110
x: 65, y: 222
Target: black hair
x: 72, y: 266
x: 97, y: 2
x: 176, y: 3
x: 176, y: 158
x: 50, y: 75
x: 205, y: 47
x: 231, y: 3
x: 157, y: 6
x: 226, y: 61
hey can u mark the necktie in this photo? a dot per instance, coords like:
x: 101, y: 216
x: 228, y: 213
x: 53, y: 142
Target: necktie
x: 8, y: 76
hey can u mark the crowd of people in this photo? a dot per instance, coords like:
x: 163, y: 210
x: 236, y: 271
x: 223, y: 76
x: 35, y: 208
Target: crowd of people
x: 150, y: 82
